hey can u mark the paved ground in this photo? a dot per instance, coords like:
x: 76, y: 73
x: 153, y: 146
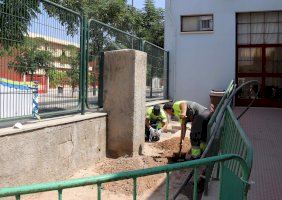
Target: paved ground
x: 264, y: 128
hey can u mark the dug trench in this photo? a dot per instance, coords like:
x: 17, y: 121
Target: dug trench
x: 149, y: 187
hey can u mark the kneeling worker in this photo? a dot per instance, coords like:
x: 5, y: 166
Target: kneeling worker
x: 188, y: 111
x: 156, y: 123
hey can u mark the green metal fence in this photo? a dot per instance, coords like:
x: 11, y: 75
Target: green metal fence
x: 17, y: 192
x: 103, y: 37
x: 50, y: 59
x: 157, y: 71
x: 39, y: 59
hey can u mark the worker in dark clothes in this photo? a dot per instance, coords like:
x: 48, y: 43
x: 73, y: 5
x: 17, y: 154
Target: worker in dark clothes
x: 199, y: 116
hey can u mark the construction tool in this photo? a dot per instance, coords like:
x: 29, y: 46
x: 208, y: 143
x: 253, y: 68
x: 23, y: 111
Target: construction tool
x: 182, y: 137
x: 180, y: 157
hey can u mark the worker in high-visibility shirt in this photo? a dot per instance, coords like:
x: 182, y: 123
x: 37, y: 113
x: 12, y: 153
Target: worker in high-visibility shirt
x: 199, y: 116
x: 156, y: 123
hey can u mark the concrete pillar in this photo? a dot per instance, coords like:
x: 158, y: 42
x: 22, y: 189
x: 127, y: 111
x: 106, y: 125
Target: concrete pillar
x: 124, y: 101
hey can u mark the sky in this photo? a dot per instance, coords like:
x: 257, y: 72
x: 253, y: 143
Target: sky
x: 140, y: 3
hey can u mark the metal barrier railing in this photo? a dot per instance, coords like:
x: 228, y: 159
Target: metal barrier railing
x: 234, y: 140
x: 99, y: 180
x: 214, y: 117
x: 230, y: 137
x: 213, y: 122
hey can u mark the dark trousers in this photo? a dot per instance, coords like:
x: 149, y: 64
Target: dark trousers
x: 199, y: 128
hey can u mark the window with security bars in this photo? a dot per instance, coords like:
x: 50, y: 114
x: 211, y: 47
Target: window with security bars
x: 259, y: 28
x: 196, y: 23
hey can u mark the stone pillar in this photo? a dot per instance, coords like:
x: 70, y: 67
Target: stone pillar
x: 124, y: 101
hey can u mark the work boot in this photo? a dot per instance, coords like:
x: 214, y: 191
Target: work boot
x: 195, y: 153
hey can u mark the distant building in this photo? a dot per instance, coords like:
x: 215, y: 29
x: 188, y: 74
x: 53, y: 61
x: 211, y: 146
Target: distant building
x: 55, y: 46
x: 212, y: 42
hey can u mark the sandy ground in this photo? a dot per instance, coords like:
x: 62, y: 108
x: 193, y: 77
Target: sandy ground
x: 150, y: 187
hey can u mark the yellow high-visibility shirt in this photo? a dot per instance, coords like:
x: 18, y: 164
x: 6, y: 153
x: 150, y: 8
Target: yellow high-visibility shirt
x: 159, y: 119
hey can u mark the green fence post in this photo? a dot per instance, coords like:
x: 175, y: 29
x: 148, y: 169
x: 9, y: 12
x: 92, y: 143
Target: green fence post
x: 99, y: 187
x: 196, y: 177
x: 141, y: 45
x: 134, y: 188
x: 60, y: 194
x: 81, y: 63
x: 83, y: 71
x: 167, y: 186
x: 87, y: 62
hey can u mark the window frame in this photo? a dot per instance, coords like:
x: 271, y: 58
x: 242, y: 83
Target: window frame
x: 197, y: 31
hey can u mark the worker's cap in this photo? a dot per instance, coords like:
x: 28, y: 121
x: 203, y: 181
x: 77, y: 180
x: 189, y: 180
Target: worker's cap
x: 168, y: 106
x: 156, y: 109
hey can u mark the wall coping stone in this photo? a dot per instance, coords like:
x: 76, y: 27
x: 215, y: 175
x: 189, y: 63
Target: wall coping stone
x: 51, y: 122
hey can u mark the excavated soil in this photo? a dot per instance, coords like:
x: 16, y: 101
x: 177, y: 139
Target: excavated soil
x: 167, y: 147
x: 150, y: 187
x: 127, y: 164
x: 171, y: 146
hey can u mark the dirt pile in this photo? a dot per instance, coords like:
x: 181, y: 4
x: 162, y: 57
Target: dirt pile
x: 127, y: 164
x: 172, y: 146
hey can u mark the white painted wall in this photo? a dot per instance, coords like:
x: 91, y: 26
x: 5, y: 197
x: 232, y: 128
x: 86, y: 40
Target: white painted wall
x: 204, y: 61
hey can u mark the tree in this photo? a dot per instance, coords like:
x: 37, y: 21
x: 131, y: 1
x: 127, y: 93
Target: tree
x: 152, y: 24
x: 15, y: 18
x: 73, y: 73
x: 30, y: 58
x: 57, y: 77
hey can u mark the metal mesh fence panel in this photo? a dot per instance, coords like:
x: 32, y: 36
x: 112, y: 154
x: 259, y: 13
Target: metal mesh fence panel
x: 103, y: 37
x: 50, y: 59
x: 156, y: 72
x: 39, y: 59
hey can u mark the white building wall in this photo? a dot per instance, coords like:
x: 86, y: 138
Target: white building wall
x: 200, y: 62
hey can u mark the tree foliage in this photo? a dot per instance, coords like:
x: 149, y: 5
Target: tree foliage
x: 31, y: 57
x: 151, y: 26
x: 57, y: 78
x: 146, y: 23
x: 73, y: 72
x: 15, y: 18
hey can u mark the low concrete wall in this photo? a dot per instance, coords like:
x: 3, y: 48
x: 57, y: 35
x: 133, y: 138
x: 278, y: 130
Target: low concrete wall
x: 52, y: 149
